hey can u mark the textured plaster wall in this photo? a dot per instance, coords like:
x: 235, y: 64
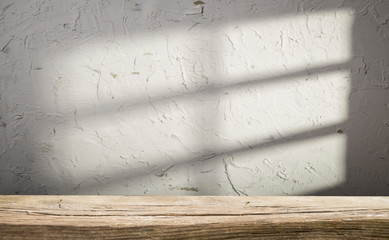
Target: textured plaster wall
x: 266, y: 97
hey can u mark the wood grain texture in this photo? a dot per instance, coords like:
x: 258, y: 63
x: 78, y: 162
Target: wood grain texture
x: 167, y: 217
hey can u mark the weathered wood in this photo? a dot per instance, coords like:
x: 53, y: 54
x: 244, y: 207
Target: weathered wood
x: 166, y: 217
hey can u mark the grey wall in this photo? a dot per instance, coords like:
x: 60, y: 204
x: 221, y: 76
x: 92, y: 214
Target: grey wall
x: 194, y: 97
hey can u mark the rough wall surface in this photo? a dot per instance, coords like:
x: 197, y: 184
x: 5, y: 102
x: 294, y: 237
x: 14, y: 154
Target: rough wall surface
x: 244, y: 97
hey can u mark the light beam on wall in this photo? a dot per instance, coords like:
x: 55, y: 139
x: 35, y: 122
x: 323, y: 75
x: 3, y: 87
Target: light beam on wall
x: 145, y: 102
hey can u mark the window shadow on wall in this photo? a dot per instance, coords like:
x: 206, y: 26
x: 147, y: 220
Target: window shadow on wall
x: 366, y: 128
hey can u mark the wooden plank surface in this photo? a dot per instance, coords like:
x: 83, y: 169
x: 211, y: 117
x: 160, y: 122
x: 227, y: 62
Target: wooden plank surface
x: 168, y: 217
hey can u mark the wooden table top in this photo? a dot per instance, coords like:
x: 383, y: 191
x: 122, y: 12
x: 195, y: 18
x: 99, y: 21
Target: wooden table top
x: 192, y: 217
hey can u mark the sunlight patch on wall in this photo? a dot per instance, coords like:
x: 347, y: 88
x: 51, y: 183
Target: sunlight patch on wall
x: 295, y: 168
x: 102, y: 71
x: 137, y: 106
x: 284, y: 45
x: 284, y: 108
